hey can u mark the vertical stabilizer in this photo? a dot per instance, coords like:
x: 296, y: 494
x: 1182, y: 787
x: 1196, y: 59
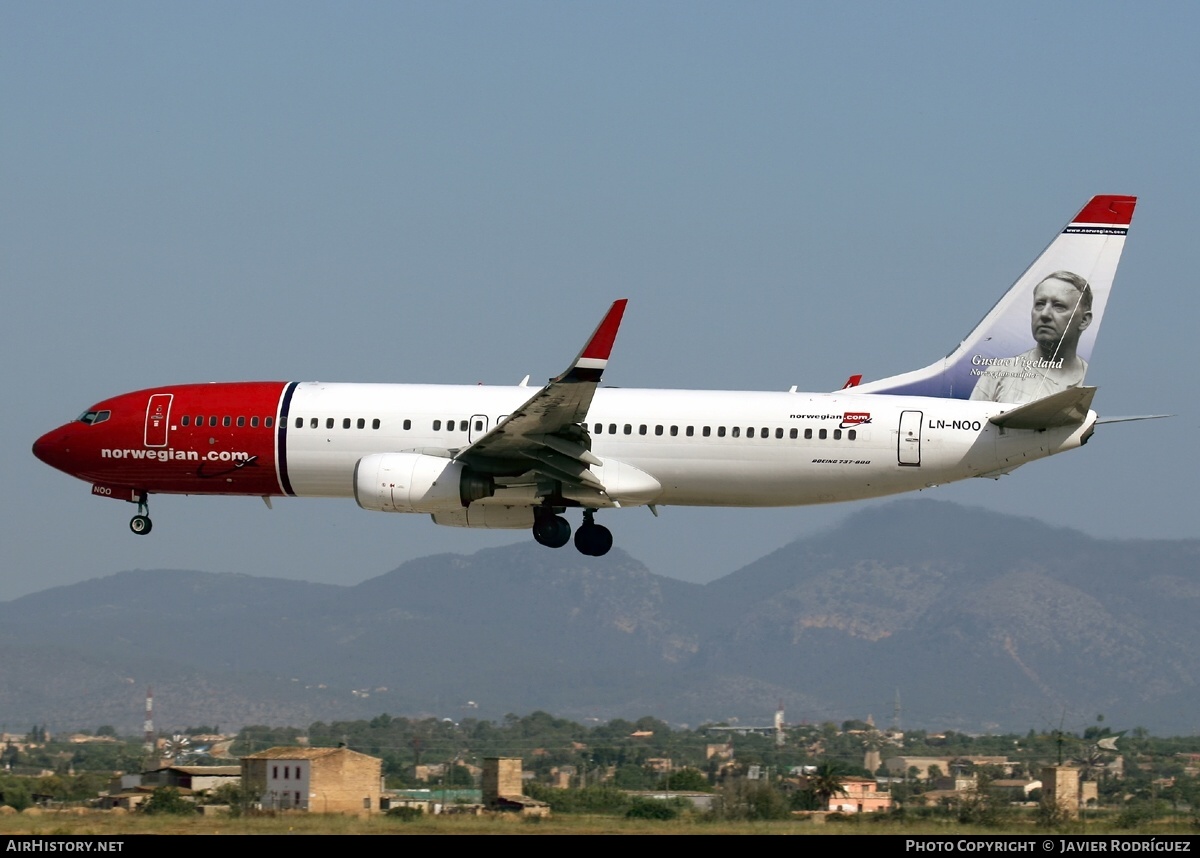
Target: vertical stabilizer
x: 1038, y: 338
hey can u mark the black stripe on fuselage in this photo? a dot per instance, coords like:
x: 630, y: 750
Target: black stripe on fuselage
x: 285, y: 407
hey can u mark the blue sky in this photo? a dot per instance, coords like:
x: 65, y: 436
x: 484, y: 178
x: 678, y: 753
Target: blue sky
x: 788, y: 193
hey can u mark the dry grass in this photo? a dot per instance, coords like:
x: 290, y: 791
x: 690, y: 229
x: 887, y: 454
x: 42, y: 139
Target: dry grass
x: 105, y: 823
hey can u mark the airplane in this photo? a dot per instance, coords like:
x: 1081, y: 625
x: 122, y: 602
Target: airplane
x: 503, y: 457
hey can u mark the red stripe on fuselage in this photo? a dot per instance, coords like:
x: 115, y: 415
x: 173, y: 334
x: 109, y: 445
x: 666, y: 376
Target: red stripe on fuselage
x: 195, y: 456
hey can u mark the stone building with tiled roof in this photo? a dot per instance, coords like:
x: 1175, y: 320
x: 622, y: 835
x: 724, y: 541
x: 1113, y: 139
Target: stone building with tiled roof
x: 320, y: 780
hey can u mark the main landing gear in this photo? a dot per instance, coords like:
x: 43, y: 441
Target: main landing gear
x: 554, y: 531
x: 140, y: 523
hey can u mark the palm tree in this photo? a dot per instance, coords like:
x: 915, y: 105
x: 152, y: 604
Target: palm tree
x: 826, y: 782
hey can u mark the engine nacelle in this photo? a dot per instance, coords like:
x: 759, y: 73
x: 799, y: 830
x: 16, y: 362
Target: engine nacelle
x: 413, y: 482
x: 487, y: 515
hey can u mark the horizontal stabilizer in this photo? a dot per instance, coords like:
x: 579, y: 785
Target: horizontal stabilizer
x: 1066, y: 408
x: 1104, y: 420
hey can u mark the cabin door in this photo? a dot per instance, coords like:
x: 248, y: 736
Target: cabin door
x: 908, y: 445
x: 158, y: 413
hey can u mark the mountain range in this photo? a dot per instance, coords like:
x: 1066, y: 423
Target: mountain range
x: 920, y: 612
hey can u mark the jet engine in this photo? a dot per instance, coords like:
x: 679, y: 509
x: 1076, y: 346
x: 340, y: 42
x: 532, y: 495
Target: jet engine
x: 414, y: 482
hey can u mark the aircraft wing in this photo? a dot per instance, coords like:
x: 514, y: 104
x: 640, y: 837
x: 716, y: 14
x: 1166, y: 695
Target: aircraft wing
x: 544, y: 435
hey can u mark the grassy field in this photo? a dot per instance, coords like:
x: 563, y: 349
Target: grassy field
x: 108, y: 823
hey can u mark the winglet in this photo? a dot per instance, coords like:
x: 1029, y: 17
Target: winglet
x: 590, y: 363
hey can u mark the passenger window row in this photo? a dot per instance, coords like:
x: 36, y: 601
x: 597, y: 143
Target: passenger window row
x: 198, y: 420
x: 721, y: 431
x: 346, y: 423
x: 460, y: 425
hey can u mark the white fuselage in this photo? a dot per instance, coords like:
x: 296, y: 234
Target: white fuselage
x: 705, y: 448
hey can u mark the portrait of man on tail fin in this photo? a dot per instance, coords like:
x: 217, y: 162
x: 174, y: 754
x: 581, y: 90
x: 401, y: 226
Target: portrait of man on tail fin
x: 1062, y: 311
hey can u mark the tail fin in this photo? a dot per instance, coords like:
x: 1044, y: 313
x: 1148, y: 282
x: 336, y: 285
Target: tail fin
x: 1018, y: 354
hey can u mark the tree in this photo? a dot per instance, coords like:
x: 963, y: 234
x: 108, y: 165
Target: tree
x: 689, y: 779
x: 167, y: 800
x: 826, y: 782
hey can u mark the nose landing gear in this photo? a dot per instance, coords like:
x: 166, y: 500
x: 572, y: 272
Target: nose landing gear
x: 140, y: 523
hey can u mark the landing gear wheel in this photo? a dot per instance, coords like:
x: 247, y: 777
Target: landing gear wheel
x: 140, y: 524
x: 552, y: 531
x: 593, y: 540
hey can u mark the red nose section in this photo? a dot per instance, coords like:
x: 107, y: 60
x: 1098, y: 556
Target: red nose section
x: 53, y: 448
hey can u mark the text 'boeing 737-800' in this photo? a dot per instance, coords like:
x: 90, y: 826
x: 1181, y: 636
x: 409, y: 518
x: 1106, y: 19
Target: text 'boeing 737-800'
x: 505, y: 457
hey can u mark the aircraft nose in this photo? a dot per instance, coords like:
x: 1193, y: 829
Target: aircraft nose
x: 52, y: 448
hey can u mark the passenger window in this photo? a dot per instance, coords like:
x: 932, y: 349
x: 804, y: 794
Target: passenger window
x: 720, y: 431
x: 253, y: 422
x: 851, y: 435
x: 462, y: 425
x: 837, y: 434
x: 212, y: 421
x: 375, y: 423
x: 612, y: 428
x: 690, y: 431
x: 314, y: 423
x: 437, y: 425
x: 345, y: 422
x: 707, y: 431
x: 362, y: 423
x: 299, y: 422
x: 183, y: 421
x: 241, y: 421
x: 628, y: 429
x: 269, y: 422
x: 779, y: 433
x: 737, y: 431
x: 328, y: 422
x: 793, y: 434
x: 823, y: 435
x: 749, y: 432
x: 407, y: 425
x: 598, y: 429
x: 674, y: 431
x: 658, y: 430
x: 807, y: 434
x: 199, y: 419
x: 642, y: 429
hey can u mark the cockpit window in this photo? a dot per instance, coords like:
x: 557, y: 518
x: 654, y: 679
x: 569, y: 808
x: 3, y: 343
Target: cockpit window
x: 91, y: 418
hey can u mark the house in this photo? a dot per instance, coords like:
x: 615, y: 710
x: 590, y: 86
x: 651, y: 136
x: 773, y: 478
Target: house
x: 861, y: 796
x: 195, y: 778
x: 503, y: 788
x: 320, y: 780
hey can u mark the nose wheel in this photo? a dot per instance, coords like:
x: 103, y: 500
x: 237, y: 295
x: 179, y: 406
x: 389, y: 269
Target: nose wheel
x: 140, y: 523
